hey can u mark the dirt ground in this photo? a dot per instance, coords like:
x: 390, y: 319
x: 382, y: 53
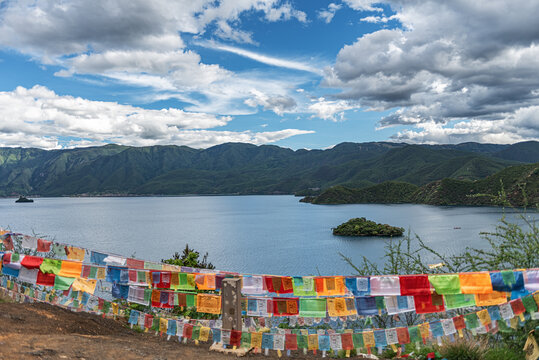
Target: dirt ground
x: 43, y: 331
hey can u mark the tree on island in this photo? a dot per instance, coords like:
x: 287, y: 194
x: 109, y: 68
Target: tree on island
x: 364, y: 227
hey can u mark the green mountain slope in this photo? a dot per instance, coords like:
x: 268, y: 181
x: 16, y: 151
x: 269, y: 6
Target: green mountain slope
x: 516, y: 181
x: 237, y: 168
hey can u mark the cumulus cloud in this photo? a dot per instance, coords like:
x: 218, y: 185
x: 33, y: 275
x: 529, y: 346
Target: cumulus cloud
x: 331, y: 109
x: 39, y: 117
x: 328, y: 14
x: 138, y: 43
x: 277, y: 104
x: 364, y: 5
x: 443, y: 72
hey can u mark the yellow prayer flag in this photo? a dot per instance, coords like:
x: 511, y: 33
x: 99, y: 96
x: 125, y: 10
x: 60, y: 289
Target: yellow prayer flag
x: 312, y: 342
x: 114, y: 308
x: 256, y: 340
x: 368, y: 339
x: 163, y: 325
x: 484, y: 317
x: 86, y: 285
x: 424, y: 330
x: 101, y: 274
x: 207, y: 303
x: 204, y: 333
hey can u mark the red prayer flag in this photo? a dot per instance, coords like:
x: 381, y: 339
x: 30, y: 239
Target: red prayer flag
x: 427, y: 304
x: 43, y: 245
x: 235, y: 338
x: 517, y: 306
x: 459, y: 322
x: 291, y: 342
x: 31, y: 262
x: 403, y: 335
x: 135, y: 264
x: 414, y: 285
x: 45, y: 279
x: 347, y: 341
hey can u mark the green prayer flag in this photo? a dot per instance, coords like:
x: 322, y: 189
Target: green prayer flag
x: 51, y: 266
x: 303, y: 286
x: 106, y: 307
x: 15, y: 257
x: 184, y: 282
x: 93, y: 272
x: 358, y: 340
x: 191, y: 300
x: 147, y: 295
x: 529, y: 303
x: 196, y: 333
x: 472, y: 321
x: 302, y: 342
x: 155, y: 324
x: 508, y: 277
x: 415, y: 336
x: 459, y: 301
x: 503, y: 328
x: 62, y: 283
x: 246, y: 340
x: 445, y: 284
x: 312, y: 307
x: 380, y: 303
x: 152, y: 266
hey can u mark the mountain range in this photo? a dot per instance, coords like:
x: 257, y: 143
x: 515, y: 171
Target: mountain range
x: 238, y: 168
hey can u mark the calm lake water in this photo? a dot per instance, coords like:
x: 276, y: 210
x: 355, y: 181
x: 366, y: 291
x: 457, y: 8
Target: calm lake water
x: 253, y: 234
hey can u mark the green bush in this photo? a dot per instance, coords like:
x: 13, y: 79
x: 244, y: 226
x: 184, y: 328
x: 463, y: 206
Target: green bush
x: 464, y: 349
x: 504, y: 353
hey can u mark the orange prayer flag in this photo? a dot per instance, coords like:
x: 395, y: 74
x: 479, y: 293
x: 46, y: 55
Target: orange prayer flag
x: 475, y: 283
x: 70, y: 269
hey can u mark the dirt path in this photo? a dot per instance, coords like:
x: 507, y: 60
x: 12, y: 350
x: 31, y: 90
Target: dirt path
x: 42, y: 331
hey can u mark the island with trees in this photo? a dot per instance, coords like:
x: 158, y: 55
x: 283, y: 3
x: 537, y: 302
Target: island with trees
x: 364, y: 227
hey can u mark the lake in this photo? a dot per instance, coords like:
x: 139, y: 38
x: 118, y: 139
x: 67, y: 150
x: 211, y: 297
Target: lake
x: 250, y: 234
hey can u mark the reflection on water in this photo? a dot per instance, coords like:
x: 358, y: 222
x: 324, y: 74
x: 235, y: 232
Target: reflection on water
x: 255, y: 234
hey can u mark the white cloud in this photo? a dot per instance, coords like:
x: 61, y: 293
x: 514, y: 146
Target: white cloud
x: 331, y: 109
x: 363, y: 5
x: 138, y: 43
x: 328, y: 14
x: 277, y: 104
x: 440, y: 68
x: 41, y: 118
x: 265, y: 59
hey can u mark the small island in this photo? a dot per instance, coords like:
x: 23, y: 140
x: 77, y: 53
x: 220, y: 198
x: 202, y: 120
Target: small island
x: 364, y: 227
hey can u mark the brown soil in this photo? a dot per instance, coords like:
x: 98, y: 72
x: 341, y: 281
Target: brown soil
x: 43, y: 331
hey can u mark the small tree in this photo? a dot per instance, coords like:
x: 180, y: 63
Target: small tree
x: 189, y: 257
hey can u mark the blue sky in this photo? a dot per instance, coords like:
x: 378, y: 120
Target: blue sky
x: 299, y: 74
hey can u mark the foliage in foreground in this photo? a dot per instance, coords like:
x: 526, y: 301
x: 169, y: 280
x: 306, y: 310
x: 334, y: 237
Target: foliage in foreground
x: 512, y: 245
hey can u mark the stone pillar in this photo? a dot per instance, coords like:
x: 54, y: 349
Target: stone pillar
x: 231, y: 303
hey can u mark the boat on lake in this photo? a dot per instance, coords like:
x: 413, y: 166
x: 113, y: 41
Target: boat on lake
x: 24, y: 199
